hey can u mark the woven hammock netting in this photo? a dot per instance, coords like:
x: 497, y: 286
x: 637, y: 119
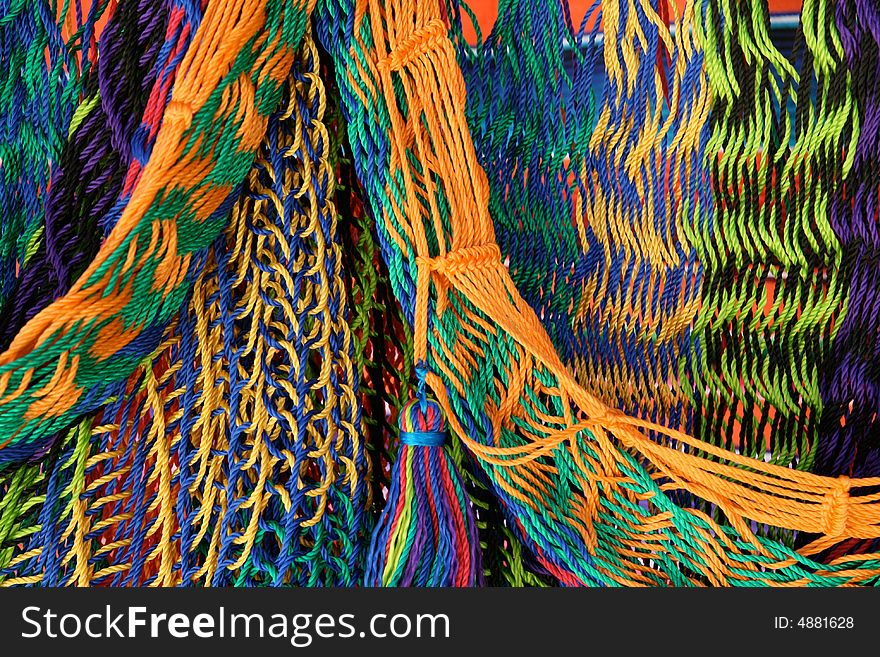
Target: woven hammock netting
x: 258, y: 257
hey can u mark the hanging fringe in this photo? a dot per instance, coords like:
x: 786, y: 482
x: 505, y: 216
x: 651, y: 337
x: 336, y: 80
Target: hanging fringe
x: 426, y: 535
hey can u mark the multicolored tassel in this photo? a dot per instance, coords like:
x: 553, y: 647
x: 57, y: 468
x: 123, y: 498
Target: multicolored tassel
x: 426, y: 535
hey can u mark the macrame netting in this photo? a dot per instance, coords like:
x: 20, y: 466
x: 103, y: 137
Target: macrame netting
x: 633, y: 255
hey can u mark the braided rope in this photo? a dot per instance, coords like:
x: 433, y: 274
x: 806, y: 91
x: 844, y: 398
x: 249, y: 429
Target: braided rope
x: 66, y: 359
x: 765, y: 321
x: 41, y: 80
x: 384, y: 358
x: 850, y: 381
x: 531, y: 109
x: 222, y: 460
x: 88, y: 176
x: 587, y: 486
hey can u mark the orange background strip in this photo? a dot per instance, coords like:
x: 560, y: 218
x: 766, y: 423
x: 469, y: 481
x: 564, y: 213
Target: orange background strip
x: 487, y: 10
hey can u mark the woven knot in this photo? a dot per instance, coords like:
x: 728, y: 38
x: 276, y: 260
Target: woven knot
x: 430, y: 36
x: 463, y: 259
x: 421, y: 423
x: 837, y: 507
x: 178, y: 112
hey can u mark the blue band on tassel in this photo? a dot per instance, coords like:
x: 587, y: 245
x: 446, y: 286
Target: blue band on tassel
x: 423, y: 438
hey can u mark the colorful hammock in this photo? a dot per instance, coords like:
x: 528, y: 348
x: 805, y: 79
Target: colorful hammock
x: 329, y: 292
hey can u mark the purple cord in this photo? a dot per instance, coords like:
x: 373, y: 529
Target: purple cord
x: 850, y: 383
x: 88, y: 179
